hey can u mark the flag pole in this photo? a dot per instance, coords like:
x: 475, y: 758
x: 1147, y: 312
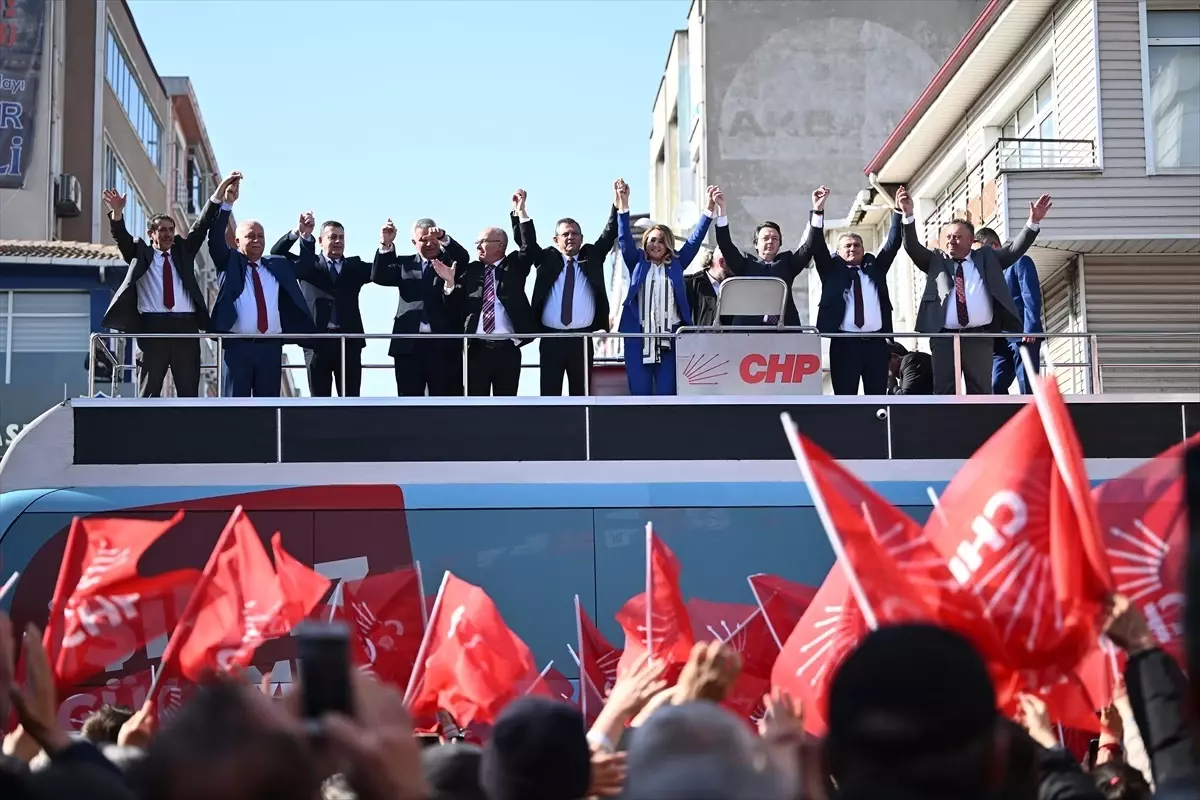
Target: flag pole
x: 766, y: 616
x: 578, y: 658
x: 937, y: 505
x: 421, y: 594
x: 419, y: 663
x: 649, y: 588
x: 183, y: 628
x: 741, y: 626
x: 336, y: 600
x: 540, y: 677
x: 839, y: 550
x: 574, y: 655
x: 8, y: 584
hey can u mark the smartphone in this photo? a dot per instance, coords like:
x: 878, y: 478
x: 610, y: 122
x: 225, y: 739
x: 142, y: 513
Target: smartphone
x: 324, y: 661
x: 428, y: 740
x: 1093, y: 752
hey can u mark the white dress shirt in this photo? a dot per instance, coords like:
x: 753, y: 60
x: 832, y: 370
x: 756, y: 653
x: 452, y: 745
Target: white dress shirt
x: 583, y: 304
x: 979, y: 301
x: 872, y: 313
x: 150, y: 289
x: 247, y: 306
x: 503, y: 325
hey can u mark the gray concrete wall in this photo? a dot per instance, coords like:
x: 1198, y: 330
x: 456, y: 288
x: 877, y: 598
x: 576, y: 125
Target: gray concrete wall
x: 804, y: 92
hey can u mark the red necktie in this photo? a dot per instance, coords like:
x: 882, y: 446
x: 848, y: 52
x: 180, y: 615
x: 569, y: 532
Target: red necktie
x: 168, y: 283
x: 260, y: 299
x: 960, y: 296
x: 859, y: 313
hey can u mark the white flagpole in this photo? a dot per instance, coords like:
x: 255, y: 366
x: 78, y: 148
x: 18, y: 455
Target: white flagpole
x: 337, y: 599
x: 419, y: 663
x: 8, y: 584
x: 860, y: 596
x: 421, y: 594
x: 540, y: 676
x: 937, y: 505
x: 766, y: 616
x: 578, y: 660
x: 574, y: 655
x: 649, y: 588
x: 741, y: 626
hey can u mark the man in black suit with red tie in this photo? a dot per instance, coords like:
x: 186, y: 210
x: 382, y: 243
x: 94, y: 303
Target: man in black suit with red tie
x: 491, y: 296
x: 424, y: 282
x: 160, y: 294
x: 569, y: 293
x: 331, y: 290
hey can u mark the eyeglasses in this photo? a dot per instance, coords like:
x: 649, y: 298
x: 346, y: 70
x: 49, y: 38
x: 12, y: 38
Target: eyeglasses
x: 480, y: 242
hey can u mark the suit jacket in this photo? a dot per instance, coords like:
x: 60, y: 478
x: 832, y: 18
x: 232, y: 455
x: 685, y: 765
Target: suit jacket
x: 916, y: 375
x: 1026, y: 291
x: 510, y: 290
x: 639, y: 266
x: 323, y: 295
x: 786, y: 266
x: 939, y: 279
x: 837, y: 279
x: 548, y: 263
x: 122, y: 314
x: 702, y: 298
x: 421, y: 292
x: 231, y: 274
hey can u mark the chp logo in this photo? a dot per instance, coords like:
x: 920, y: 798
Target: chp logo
x: 753, y: 369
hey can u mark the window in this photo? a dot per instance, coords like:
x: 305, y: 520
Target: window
x: 115, y: 177
x: 43, y: 322
x: 1034, y: 120
x: 197, y: 192
x: 1173, y: 83
x: 124, y: 83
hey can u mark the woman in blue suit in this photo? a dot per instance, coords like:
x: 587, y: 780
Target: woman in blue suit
x: 656, y: 303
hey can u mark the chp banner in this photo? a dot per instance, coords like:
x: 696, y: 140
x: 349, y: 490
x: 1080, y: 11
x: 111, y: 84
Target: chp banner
x: 747, y: 363
x: 22, y: 32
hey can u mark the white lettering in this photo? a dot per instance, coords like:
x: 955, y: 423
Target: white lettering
x: 969, y: 556
x: 97, y: 615
x: 1156, y: 617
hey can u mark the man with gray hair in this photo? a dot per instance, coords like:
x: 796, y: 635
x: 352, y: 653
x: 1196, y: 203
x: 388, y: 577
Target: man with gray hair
x: 426, y: 284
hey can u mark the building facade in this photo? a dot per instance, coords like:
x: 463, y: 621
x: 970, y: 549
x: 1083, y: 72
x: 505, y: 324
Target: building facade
x: 1096, y: 102
x: 769, y: 100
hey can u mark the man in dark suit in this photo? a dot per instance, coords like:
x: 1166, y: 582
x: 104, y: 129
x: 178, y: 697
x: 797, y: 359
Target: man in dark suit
x: 854, y: 300
x: 702, y: 288
x: 965, y: 292
x: 331, y: 291
x: 258, y: 294
x: 160, y: 294
x: 493, y: 302
x: 569, y: 293
x: 768, y: 261
x: 1026, y: 289
x: 424, y: 281
x: 909, y: 373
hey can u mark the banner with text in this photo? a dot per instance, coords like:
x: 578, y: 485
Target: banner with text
x: 748, y: 363
x: 22, y: 32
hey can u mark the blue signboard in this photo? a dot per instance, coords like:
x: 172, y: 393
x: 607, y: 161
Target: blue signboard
x: 22, y: 32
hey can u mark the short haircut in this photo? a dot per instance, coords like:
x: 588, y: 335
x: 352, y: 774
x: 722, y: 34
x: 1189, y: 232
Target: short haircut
x: 987, y: 236
x: 103, y: 724
x: 153, y: 223
x: 331, y: 223
x: 424, y: 222
x: 767, y: 224
x: 964, y: 222
x: 853, y: 236
x: 568, y: 221
x: 707, y: 261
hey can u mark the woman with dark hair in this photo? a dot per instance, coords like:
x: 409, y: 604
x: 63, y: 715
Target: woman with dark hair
x: 657, y: 303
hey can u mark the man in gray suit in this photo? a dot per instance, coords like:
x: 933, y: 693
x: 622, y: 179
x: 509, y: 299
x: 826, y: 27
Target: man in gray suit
x: 965, y: 292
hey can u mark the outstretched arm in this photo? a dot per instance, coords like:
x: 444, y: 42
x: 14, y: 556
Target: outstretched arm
x: 887, y: 253
x: 629, y: 249
x: 918, y: 252
x: 116, y: 225
x: 692, y: 245
x: 735, y: 259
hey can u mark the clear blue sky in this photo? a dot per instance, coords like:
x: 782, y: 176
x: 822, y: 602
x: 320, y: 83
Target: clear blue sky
x: 362, y: 110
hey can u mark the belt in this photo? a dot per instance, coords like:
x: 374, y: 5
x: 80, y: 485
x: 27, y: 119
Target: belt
x: 493, y: 343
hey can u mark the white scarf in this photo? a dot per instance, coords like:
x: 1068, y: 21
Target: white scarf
x: 659, y: 313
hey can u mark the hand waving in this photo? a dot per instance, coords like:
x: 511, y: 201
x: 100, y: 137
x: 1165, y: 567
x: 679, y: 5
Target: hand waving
x: 113, y: 200
x: 445, y: 272
x: 1040, y: 208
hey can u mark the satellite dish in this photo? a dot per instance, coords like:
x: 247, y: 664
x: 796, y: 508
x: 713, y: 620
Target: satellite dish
x: 687, y: 214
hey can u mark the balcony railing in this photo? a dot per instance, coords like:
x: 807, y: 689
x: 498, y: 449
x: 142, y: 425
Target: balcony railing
x: 976, y: 196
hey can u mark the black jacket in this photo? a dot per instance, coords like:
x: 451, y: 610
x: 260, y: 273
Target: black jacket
x: 324, y: 295
x: 421, y: 292
x: 549, y: 265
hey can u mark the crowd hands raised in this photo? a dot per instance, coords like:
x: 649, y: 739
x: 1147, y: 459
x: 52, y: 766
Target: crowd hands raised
x: 443, y: 291
x: 911, y: 715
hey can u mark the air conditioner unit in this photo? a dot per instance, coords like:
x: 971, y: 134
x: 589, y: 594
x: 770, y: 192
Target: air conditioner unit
x: 68, y: 196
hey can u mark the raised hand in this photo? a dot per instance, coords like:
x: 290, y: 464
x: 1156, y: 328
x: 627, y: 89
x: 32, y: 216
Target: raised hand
x: 518, y: 199
x: 435, y: 234
x: 711, y: 198
x: 114, y: 200
x: 904, y: 202
x: 718, y: 197
x: 1039, y: 209
x: 307, y: 223
x: 621, y: 194
x: 819, y: 196
x: 387, y: 234
x: 445, y: 272
x: 232, y: 187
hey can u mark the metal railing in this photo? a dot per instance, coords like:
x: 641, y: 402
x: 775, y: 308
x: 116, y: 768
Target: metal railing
x: 1091, y: 366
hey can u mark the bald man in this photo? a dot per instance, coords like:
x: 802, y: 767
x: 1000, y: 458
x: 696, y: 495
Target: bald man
x: 494, y: 305
x: 258, y: 296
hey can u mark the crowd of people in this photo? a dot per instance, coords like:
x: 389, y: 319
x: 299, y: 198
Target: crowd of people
x: 928, y: 729
x: 974, y: 285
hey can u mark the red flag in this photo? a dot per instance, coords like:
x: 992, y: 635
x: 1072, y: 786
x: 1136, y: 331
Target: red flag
x: 386, y: 617
x: 783, y: 602
x: 1143, y: 518
x: 830, y: 628
x: 713, y: 620
x: 664, y: 623
x: 553, y: 684
x: 301, y: 586
x: 471, y: 660
x: 1010, y: 533
x: 598, y: 661
x: 98, y: 615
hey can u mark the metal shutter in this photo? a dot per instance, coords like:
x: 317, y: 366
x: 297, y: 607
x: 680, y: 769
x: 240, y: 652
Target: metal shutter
x: 50, y: 322
x: 1141, y: 294
x: 1060, y: 312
